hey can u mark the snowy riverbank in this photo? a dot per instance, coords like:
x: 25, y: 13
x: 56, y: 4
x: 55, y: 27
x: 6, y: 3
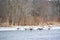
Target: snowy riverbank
x: 28, y: 28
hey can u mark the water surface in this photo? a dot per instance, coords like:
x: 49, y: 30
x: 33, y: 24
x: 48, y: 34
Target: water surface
x: 30, y: 35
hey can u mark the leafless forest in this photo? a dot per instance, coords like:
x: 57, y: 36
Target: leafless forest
x: 29, y: 12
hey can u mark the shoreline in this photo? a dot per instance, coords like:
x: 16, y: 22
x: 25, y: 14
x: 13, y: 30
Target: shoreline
x: 28, y: 28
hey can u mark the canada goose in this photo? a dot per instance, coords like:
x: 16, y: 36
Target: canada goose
x: 49, y: 27
x: 31, y: 29
x: 17, y: 28
x: 40, y: 29
x: 25, y: 28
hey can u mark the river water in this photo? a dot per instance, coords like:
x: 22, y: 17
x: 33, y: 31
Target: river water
x: 30, y: 34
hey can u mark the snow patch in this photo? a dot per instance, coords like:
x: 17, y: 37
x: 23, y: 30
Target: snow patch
x: 29, y: 27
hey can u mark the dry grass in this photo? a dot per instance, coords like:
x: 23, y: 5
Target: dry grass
x: 32, y: 21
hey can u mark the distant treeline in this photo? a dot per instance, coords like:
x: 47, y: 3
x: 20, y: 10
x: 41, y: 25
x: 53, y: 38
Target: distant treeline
x: 29, y: 12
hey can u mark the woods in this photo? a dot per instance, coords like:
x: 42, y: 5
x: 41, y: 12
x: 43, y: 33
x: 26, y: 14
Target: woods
x: 29, y: 12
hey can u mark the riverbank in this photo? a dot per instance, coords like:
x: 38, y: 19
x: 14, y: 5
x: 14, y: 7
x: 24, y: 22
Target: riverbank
x: 29, y: 27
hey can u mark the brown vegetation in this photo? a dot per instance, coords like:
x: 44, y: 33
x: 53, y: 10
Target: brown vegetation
x: 29, y: 12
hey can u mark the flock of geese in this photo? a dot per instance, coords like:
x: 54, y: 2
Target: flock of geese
x: 36, y: 28
x: 33, y: 29
x: 50, y: 27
